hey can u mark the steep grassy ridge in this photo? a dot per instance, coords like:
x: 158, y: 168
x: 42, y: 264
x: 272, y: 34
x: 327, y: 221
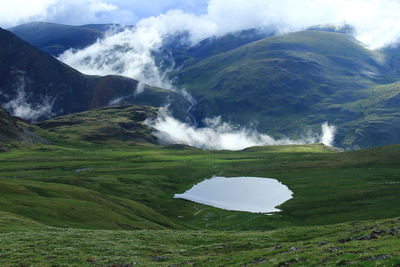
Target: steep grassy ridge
x: 378, y: 117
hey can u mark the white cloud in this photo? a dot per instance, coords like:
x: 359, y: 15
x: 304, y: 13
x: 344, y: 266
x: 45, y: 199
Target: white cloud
x: 219, y: 135
x: 78, y: 12
x: 129, y: 53
x: 19, y: 106
x: 328, y: 134
x: 375, y: 21
x: 13, y: 12
x: 73, y: 12
x: 140, y: 88
x: 156, y: 7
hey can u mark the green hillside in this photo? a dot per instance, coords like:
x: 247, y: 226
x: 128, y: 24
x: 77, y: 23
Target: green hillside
x: 15, y: 132
x: 74, y: 205
x: 378, y: 117
x: 105, y: 125
x: 94, y: 188
x: 366, y: 243
x: 291, y: 83
x: 79, y: 202
x: 329, y: 186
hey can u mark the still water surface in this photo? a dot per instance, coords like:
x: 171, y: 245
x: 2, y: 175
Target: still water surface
x: 252, y: 194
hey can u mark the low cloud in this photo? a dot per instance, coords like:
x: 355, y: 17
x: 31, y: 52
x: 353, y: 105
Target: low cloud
x: 72, y: 12
x: 328, y: 134
x: 19, y: 106
x: 130, y: 52
x: 375, y: 21
x: 218, y: 135
x: 140, y: 88
x: 127, y: 52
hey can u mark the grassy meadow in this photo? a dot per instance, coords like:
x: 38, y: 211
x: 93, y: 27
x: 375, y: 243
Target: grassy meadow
x: 26, y: 242
x: 76, y: 202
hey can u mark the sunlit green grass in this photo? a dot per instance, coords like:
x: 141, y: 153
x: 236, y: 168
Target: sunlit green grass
x: 70, y: 202
x: 23, y: 241
x: 133, y: 187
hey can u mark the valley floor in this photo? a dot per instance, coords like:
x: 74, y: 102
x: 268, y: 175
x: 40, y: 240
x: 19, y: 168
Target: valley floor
x: 103, y: 204
x: 366, y: 243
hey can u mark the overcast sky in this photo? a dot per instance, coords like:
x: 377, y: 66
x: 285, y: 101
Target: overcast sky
x: 376, y: 21
x: 78, y: 12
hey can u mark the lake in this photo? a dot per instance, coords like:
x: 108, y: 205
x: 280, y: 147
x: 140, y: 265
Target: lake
x: 251, y: 194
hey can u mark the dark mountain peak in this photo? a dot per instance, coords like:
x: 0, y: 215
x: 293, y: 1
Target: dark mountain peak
x: 54, y: 38
x: 36, y: 86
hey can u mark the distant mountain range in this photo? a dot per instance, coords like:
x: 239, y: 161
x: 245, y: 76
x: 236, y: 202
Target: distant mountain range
x: 55, y: 39
x: 285, y: 85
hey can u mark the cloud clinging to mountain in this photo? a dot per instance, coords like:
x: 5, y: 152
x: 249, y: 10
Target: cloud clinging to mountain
x: 375, y: 21
x: 217, y: 135
x: 129, y: 53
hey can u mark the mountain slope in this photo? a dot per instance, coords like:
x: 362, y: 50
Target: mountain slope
x: 182, y: 53
x: 106, y: 125
x: 377, y: 119
x: 36, y: 86
x: 9, y: 130
x: 13, y: 130
x: 66, y: 205
x: 287, y: 84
